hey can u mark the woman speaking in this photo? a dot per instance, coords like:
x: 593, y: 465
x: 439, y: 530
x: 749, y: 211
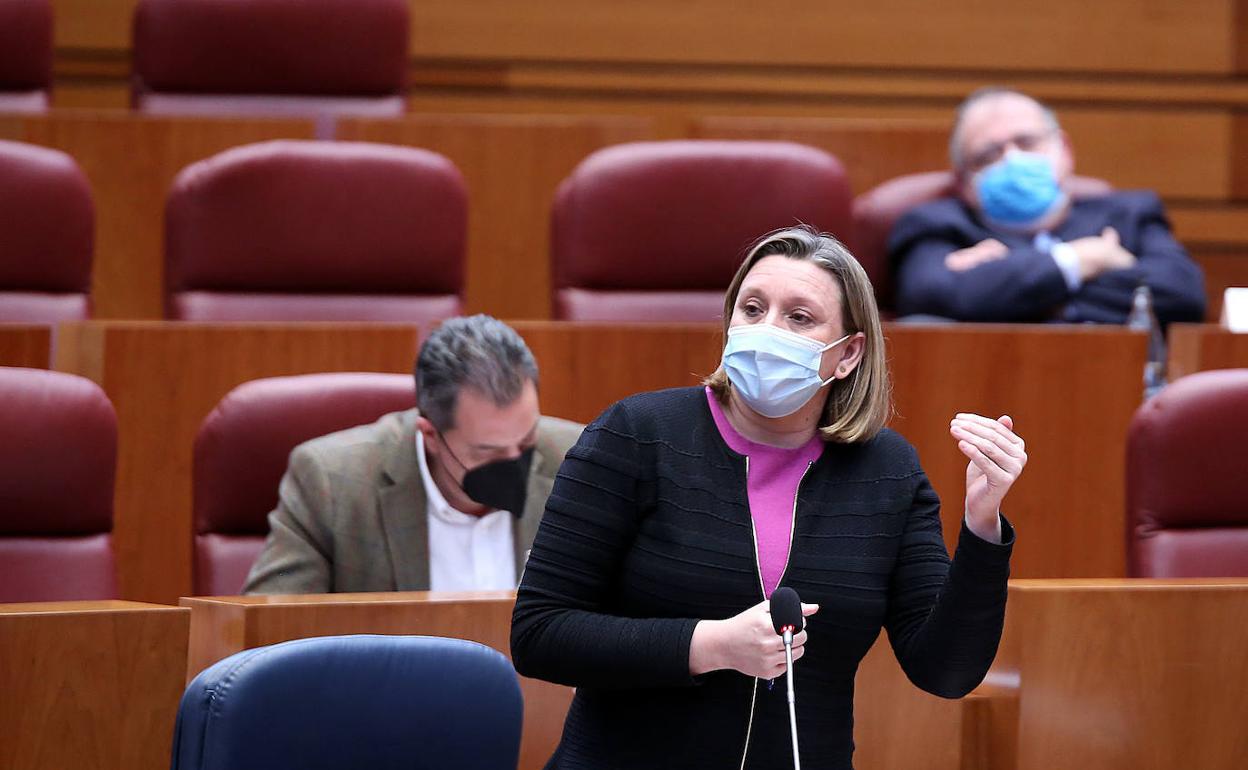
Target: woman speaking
x: 679, y: 512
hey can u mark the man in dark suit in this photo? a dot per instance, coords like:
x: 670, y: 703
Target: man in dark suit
x: 446, y: 496
x: 1016, y: 246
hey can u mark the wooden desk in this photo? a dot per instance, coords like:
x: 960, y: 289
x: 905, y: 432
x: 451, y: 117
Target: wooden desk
x: 1199, y: 347
x: 163, y: 379
x: 28, y: 345
x: 222, y: 626
x: 91, y: 684
x: 1093, y: 674
x: 1129, y: 674
x: 1071, y: 390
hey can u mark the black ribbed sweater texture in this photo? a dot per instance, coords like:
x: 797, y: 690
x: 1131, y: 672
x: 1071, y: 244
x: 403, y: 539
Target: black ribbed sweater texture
x: 648, y: 530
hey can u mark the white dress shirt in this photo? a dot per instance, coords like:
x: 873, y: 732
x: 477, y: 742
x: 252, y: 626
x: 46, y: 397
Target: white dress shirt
x: 466, y: 553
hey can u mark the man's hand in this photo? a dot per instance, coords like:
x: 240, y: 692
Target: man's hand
x: 1101, y: 253
x: 973, y: 256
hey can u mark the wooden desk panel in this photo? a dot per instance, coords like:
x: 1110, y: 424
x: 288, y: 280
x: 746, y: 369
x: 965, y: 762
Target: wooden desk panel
x: 90, y: 684
x: 130, y: 161
x: 163, y: 379
x: 28, y: 345
x: 587, y: 367
x: 512, y: 165
x: 222, y: 626
x: 1071, y: 391
x: 1131, y: 675
x: 1200, y: 347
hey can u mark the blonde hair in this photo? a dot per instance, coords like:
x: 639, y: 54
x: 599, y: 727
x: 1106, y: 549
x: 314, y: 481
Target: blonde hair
x: 857, y: 406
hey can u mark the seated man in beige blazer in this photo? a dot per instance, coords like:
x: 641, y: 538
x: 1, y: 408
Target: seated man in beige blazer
x: 446, y: 496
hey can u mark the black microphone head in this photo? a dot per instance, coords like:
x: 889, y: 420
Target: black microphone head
x: 786, y: 609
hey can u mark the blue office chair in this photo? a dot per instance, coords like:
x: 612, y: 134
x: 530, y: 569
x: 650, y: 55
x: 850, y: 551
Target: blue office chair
x: 348, y: 702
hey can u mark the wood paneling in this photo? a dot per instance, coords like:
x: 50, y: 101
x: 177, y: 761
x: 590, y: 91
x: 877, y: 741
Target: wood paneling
x: 1119, y: 36
x: 1071, y: 392
x: 887, y: 705
x: 1131, y: 675
x: 1155, y: 149
x: 226, y: 625
x: 25, y: 345
x: 93, y: 24
x: 873, y: 151
x: 1201, y: 347
x: 512, y: 165
x: 1116, y: 36
x: 1096, y: 674
x: 587, y: 367
x: 90, y: 684
x: 163, y: 379
x: 130, y: 161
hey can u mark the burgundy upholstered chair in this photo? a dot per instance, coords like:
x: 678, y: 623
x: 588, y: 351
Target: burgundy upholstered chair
x: 878, y: 209
x: 25, y: 55
x: 47, y: 227
x: 242, y: 449
x: 58, y: 452
x: 653, y: 231
x: 316, y: 231
x: 323, y: 58
x: 1187, y: 490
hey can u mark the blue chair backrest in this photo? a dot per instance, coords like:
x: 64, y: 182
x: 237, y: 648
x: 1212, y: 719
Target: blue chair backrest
x: 346, y: 702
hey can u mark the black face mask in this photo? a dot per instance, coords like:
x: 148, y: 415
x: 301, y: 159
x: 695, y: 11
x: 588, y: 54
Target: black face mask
x: 502, y: 484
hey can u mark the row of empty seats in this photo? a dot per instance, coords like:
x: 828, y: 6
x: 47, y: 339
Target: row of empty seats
x: 1186, y: 513
x: 334, y: 231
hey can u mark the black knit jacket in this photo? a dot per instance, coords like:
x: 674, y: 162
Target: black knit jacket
x: 648, y: 530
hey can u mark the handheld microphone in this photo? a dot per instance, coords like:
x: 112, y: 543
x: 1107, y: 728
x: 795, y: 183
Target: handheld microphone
x: 786, y: 618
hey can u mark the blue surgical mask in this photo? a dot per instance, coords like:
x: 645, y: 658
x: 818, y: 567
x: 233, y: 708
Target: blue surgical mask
x: 773, y: 370
x: 1019, y: 190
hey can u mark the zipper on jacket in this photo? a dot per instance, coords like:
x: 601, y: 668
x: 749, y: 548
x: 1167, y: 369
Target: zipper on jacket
x: 762, y: 588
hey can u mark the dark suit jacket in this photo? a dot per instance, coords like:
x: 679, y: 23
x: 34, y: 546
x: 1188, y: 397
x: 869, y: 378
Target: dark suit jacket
x: 351, y: 510
x: 1027, y: 285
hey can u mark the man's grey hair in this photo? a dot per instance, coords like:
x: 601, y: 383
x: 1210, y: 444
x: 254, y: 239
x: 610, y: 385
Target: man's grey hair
x: 988, y: 93
x: 479, y: 352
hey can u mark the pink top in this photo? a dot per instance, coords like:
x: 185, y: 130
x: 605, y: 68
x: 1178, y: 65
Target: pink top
x: 771, y: 486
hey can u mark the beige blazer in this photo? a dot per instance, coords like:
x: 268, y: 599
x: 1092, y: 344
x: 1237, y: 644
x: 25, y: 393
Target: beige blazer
x: 351, y: 512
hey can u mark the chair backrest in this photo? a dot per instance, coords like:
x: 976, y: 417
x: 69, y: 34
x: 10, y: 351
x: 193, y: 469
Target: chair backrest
x: 878, y: 209
x: 377, y: 702
x: 47, y: 235
x: 58, y: 452
x: 329, y: 57
x: 25, y: 55
x: 316, y: 231
x: 1187, y: 490
x: 241, y: 452
x: 653, y: 231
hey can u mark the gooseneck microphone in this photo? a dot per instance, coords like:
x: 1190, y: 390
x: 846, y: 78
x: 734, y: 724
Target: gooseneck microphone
x: 786, y: 618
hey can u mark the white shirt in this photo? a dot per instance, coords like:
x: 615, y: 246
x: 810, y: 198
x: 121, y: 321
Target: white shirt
x: 466, y: 553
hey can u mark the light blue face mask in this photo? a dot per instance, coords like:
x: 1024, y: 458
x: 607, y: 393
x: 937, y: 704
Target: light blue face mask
x: 1019, y: 190
x: 773, y: 370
